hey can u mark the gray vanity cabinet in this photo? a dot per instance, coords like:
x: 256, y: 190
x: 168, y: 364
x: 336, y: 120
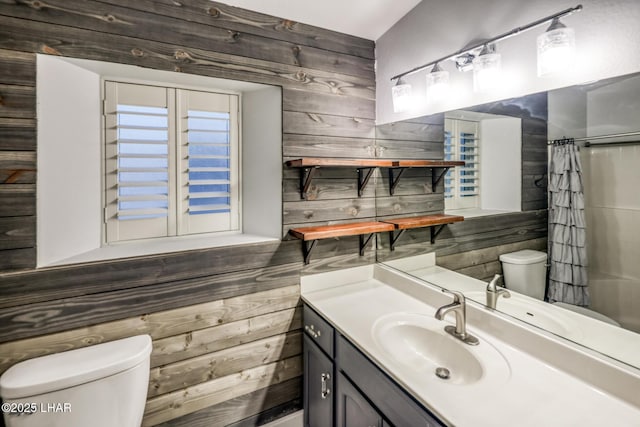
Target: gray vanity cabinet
x: 343, y: 388
x: 318, y: 386
x: 353, y: 409
x: 396, y: 406
x: 319, y: 371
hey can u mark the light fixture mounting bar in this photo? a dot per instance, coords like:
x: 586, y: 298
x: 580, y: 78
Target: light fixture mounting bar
x: 501, y: 37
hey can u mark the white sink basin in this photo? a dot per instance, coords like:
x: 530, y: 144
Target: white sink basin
x: 534, y: 312
x: 419, y: 344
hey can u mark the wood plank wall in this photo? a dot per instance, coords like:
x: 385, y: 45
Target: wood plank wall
x: 471, y: 247
x: 225, y: 322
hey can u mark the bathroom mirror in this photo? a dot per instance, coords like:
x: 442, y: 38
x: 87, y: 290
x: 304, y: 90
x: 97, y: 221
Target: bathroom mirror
x: 587, y: 113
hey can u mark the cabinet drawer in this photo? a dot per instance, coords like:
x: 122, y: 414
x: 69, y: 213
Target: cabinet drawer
x: 396, y: 405
x: 318, y: 330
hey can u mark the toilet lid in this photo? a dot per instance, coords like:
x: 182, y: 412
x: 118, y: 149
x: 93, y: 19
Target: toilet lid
x: 70, y: 368
x: 525, y: 256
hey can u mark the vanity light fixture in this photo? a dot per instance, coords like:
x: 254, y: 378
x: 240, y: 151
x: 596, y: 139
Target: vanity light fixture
x: 556, y: 48
x: 554, y: 52
x: 464, y: 62
x: 437, y: 83
x: 401, y: 94
x: 487, y: 69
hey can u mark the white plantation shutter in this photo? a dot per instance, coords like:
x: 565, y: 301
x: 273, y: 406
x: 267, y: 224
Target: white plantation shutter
x: 171, y: 162
x: 208, y: 166
x: 462, y: 184
x: 450, y: 154
x: 139, y: 131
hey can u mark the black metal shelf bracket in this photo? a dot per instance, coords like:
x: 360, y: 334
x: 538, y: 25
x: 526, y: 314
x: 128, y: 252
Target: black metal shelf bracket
x: 364, y: 242
x: 363, y: 179
x: 306, y: 174
x: 436, y: 178
x: 435, y: 230
x: 393, y: 238
x: 393, y: 180
x: 307, y: 247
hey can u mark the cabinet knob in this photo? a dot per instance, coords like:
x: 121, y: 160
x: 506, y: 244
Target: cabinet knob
x: 311, y: 330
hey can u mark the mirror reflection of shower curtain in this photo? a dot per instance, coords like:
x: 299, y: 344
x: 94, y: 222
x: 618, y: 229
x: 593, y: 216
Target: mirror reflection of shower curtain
x: 567, y: 227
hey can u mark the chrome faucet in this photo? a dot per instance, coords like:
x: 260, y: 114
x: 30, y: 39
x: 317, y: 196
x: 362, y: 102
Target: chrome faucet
x: 494, y: 291
x: 459, y: 308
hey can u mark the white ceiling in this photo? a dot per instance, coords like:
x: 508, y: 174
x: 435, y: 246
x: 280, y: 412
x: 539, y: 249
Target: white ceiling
x: 363, y: 18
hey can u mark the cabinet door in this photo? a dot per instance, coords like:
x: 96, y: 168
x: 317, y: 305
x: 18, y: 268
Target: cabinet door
x: 353, y: 409
x: 318, y: 386
x: 390, y: 399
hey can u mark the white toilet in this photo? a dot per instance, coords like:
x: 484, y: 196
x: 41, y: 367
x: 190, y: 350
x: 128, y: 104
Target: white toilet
x: 525, y: 272
x: 103, y: 385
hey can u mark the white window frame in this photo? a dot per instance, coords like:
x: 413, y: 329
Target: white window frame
x: 179, y: 222
x: 70, y: 162
x: 455, y: 128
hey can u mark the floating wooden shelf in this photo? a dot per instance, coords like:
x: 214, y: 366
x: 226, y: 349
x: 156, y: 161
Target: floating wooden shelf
x: 428, y: 163
x: 309, y: 235
x: 435, y: 223
x: 307, y: 162
x: 365, y: 167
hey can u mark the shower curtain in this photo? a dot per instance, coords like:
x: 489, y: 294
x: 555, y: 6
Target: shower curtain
x: 567, y: 233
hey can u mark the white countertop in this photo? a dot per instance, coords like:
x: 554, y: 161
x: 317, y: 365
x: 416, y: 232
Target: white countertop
x: 613, y: 341
x: 533, y: 393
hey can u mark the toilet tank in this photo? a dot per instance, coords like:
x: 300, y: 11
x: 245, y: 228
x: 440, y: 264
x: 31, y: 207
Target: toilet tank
x: 525, y: 272
x: 103, y: 385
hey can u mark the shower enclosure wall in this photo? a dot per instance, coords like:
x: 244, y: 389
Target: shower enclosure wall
x: 611, y: 174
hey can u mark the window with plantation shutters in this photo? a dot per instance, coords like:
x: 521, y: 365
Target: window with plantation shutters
x: 171, y: 162
x: 208, y: 153
x: 462, y: 184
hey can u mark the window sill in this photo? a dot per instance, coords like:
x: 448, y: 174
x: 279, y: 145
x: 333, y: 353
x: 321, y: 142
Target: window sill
x: 161, y: 246
x: 476, y: 212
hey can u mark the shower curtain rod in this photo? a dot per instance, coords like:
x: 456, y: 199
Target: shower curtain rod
x: 588, y: 139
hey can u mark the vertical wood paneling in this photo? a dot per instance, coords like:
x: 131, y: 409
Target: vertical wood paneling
x: 18, y: 68
x: 168, y: 406
x: 420, y: 138
x: 248, y: 410
x: 18, y: 102
x: 296, y: 146
x: 334, y: 104
x: 20, y: 200
x: 17, y: 134
x: 203, y: 354
x: 160, y: 324
x: 246, y: 21
x: 107, y: 18
x: 172, y: 377
x: 224, y: 323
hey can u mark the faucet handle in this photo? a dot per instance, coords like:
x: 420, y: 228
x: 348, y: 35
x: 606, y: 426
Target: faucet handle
x: 493, y: 284
x: 457, y: 295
